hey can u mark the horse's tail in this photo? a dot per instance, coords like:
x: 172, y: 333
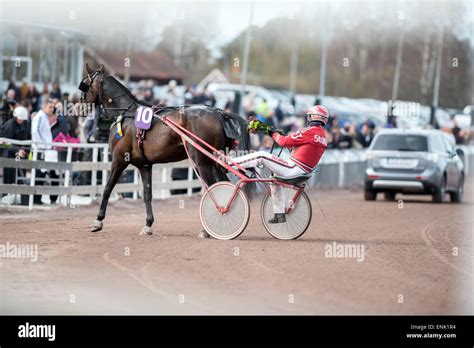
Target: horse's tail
x: 243, y: 148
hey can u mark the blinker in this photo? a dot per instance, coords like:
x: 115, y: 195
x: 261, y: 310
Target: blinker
x: 83, y: 87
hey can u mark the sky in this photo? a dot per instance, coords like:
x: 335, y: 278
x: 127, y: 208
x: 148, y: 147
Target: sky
x: 225, y: 19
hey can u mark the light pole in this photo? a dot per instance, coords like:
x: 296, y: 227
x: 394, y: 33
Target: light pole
x: 324, y: 52
x: 248, y: 39
x: 396, y: 78
x: 398, y: 67
x: 439, y: 58
x: 324, y: 58
x: 294, y: 66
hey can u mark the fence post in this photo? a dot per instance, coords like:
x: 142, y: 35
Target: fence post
x: 33, y: 177
x: 67, y: 177
x: 190, y: 179
x: 164, y: 179
x: 135, y: 182
x: 94, y: 172
x: 341, y: 171
x: 105, y: 159
x: 158, y: 179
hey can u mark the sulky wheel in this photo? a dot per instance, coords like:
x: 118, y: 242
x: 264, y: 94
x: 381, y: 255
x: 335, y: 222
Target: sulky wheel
x: 229, y: 224
x: 297, y: 220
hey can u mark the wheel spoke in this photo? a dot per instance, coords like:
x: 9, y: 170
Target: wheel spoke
x: 297, y: 220
x: 227, y: 225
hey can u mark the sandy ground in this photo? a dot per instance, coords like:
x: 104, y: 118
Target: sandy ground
x: 409, y: 265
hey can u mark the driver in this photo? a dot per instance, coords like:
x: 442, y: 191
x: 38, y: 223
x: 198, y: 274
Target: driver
x: 308, y: 143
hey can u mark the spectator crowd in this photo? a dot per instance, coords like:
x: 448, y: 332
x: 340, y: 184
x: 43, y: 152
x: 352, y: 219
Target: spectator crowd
x: 41, y: 115
x: 30, y: 115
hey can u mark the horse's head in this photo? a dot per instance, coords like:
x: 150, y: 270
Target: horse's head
x: 92, y: 85
x: 94, y: 90
x: 105, y: 92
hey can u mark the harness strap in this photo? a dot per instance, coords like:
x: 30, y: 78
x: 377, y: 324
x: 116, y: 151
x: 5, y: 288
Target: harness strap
x: 158, y: 107
x: 140, y: 135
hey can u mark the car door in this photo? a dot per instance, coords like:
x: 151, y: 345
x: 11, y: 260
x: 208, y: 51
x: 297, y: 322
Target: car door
x: 453, y: 168
x: 444, y: 160
x: 450, y: 165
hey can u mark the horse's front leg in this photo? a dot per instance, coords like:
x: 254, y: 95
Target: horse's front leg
x: 116, y: 170
x: 146, y: 174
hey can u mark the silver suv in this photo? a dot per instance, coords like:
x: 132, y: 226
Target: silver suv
x: 413, y: 162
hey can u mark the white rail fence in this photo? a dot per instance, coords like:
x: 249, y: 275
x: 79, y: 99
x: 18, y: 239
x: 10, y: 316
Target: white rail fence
x: 162, y: 180
x: 338, y: 169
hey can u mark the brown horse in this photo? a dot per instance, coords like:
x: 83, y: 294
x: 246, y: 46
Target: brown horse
x: 161, y: 144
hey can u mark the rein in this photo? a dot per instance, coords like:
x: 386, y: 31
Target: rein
x: 101, y: 97
x: 86, y: 87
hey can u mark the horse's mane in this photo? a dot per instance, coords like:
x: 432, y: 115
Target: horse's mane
x: 117, y: 86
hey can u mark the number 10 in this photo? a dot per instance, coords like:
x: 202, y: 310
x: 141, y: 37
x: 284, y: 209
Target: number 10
x: 144, y: 114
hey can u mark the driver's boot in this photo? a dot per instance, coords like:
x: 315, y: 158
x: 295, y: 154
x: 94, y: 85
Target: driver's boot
x: 278, y: 219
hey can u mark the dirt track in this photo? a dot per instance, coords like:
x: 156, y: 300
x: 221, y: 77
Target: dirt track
x: 408, y: 252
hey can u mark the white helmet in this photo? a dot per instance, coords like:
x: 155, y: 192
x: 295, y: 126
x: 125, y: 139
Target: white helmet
x: 21, y: 113
x: 318, y: 113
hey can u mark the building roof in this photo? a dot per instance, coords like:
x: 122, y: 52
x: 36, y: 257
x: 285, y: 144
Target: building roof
x: 215, y: 76
x: 143, y: 65
x: 42, y: 29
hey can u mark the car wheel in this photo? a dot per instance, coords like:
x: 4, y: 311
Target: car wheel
x: 389, y: 196
x: 438, y: 196
x: 370, y: 195
x: 456, y: 197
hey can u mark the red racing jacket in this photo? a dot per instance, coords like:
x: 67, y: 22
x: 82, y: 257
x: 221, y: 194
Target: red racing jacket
x: 308, y: 145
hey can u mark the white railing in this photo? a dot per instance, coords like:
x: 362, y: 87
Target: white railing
x: 162, y: 182
x: 337, y: 169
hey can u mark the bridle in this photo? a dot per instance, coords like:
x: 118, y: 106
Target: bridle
x: 84, y: 87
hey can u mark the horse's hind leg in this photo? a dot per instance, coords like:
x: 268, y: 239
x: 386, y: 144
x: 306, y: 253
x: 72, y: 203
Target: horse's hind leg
x: 220, y: 174
x: 209, y: 175
x: 146, y: 174
x: 116, y: 170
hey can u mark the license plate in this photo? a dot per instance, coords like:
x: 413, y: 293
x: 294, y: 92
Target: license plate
x: 399, y: 163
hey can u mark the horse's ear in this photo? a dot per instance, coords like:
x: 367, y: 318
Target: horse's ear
x: 88, y: 69
x: 102, y: 68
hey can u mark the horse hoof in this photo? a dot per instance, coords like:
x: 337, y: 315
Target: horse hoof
x: 147, y: 230
x: 203, y: 235
x: 97, y: 226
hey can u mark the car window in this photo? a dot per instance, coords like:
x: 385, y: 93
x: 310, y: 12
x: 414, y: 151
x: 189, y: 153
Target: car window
x: 401, y: 142
x: 438, y: 145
